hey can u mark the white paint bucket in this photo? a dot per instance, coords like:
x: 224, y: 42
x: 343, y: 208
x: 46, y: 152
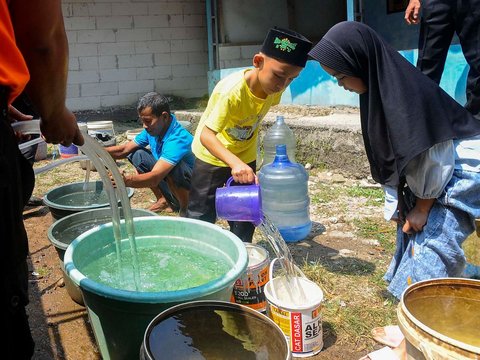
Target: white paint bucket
x: 248, y: 288
x: 103, y: 131
x: 131, y: 134
x: 301, y: 323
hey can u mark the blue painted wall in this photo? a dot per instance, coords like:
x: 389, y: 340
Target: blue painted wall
x: 315, y: 87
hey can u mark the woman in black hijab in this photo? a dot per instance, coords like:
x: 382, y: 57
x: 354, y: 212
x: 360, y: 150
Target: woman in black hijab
x: 422, y: 146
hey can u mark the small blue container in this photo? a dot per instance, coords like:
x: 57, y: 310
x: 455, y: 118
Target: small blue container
x: 68, y: 151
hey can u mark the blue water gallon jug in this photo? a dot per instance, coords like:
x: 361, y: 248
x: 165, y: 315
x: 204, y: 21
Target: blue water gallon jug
x: 284, y: 192
x: 279, y: 133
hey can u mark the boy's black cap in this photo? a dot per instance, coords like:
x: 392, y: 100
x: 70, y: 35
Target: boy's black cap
x: 286, y: 45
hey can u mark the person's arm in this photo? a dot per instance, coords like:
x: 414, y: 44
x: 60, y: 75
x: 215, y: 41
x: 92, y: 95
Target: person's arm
x: 41, y: 37
x: 417, y: 217
x: 149, y: 179
x: 412, y: 11
x: 427, y: 175
x: 241, y: 172
x: 121, y: 151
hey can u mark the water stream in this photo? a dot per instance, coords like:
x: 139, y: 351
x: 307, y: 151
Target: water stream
x: 106, y: 166
x: 87, y: 174
x: 295, y: 291
x: 102, y: 161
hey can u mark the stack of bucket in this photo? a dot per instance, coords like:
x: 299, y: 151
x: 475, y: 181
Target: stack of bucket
x: 131, y: 134
x: 104, y: 133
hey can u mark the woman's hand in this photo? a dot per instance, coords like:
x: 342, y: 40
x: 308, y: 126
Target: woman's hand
x: 417, y: 217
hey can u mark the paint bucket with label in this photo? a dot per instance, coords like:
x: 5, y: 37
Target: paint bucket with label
x: 248, y: 289
x: 301, y: 323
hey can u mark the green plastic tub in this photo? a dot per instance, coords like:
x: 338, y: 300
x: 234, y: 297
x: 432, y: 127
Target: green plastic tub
x: 120, y: 317
x: 72, y: 198
x: 63, y: 231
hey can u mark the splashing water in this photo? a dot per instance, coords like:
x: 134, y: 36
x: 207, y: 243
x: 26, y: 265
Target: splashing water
x: 102, y: 161
x: 294, y: 290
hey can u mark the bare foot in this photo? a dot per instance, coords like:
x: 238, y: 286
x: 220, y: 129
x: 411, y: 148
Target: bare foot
x: 390, y: 335
x: 161, y: 205
x: 387, y: 353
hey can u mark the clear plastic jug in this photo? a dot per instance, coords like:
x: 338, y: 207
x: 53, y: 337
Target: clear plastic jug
x: 278, y: 134
x: 285, y: 200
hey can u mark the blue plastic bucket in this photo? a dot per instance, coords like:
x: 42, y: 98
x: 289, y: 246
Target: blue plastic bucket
x: 68, y: 151
x: 120, y: 317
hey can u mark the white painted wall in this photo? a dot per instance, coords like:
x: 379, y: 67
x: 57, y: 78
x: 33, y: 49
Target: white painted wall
x: 122, y: 49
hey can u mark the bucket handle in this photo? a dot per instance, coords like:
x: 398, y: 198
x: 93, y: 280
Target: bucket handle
x: 229, y: 181
x: 297, y: 269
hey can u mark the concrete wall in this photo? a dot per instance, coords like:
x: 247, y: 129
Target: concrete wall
x: 121, y: 49
x: 247, y: 21
x: 392, y: 26
x: 244, y: 24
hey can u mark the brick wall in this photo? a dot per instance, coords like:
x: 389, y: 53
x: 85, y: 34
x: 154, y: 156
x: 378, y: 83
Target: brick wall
x: 122, y: 49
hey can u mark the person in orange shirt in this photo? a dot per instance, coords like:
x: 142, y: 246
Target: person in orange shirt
x: 34, y: 57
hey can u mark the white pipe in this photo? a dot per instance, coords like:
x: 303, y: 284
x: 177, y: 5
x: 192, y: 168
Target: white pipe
x: 27, y: 127
x: 59, y: 162
x: 30, y: 143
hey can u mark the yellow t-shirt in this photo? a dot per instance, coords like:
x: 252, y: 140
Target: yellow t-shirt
x: 235, y: 114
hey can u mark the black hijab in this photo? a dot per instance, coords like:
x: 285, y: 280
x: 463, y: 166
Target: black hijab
x: 403, y: 112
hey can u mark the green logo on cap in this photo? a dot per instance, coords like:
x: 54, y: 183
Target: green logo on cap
x: 284, y: 44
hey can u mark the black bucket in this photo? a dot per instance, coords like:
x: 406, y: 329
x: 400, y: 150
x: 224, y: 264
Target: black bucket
x: 213, y: 330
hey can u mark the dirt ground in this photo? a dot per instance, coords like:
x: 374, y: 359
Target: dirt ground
x: 61, y: 327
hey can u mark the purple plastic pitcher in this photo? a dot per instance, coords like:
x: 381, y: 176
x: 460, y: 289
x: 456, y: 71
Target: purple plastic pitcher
x: 239, y: 203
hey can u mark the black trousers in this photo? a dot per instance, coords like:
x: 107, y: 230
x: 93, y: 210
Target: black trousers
x: 16, y: 185
x: 441, y: 19
x: 206, y: 178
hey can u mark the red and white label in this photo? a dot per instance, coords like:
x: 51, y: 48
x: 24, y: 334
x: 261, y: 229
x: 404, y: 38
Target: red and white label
x: 296, y: 331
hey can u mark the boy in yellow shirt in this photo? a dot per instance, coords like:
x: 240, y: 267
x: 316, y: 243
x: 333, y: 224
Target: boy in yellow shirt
x: 225, y: 142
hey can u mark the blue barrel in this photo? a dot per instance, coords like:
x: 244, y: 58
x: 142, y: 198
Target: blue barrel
x: 285, y: 200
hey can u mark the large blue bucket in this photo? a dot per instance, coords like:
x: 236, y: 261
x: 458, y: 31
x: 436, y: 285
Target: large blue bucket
x: 120, y: 317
